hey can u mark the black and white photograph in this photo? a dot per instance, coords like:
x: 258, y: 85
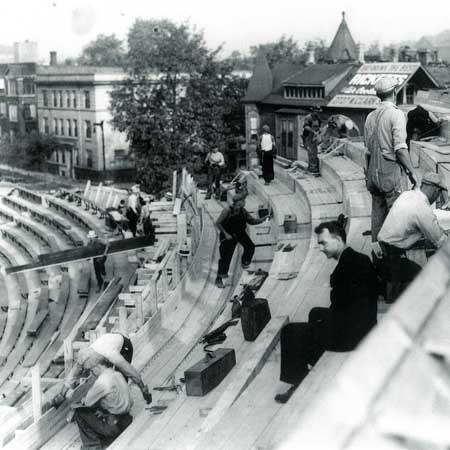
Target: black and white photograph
x: 224, y: 225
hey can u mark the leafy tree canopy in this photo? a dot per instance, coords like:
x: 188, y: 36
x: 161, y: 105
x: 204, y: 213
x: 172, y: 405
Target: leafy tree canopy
x: 285, y: 50
x: 28, y: 152
x: 178, y: 100
x: 105, y: 50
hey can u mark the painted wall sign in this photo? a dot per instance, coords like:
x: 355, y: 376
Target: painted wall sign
x: 360, y: 92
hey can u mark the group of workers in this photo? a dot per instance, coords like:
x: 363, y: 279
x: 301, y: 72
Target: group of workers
x: 401, y: 220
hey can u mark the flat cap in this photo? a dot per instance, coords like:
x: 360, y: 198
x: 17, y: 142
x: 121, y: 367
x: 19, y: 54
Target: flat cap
x: 92, y: 234
x: 435, y: 179
x: 385, y: 85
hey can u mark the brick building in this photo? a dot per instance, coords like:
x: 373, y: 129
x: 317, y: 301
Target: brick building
x: 73, y: 106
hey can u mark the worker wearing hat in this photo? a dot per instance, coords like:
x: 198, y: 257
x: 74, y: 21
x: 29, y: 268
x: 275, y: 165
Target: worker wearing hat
x: 267, y: 148
x: 411, y: 221
x: 99, y: 261
x: 387, y: 156
x: 232, y: 224
x: 215, y: 163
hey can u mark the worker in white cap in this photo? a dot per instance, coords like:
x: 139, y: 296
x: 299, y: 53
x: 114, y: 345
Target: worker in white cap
x: 411, y: 223
x: 387, y: 156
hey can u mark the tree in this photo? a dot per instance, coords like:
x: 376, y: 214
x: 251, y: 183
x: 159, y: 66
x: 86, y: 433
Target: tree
x: 285, y: 50
x: 177, y: 100
x: 30, y: 151
x: 105, y: 50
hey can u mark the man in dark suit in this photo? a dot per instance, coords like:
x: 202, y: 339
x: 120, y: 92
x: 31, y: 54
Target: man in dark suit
x: 339, y: 328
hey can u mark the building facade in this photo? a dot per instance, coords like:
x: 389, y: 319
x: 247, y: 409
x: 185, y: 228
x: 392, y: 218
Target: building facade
x: 73, y: 106
x: 25, y: 51
x: 18, y: 112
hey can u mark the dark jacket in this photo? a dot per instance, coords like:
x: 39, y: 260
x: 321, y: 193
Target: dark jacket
x: 353, y: 300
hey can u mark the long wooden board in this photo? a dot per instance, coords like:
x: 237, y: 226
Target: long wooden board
x: 82, y: 253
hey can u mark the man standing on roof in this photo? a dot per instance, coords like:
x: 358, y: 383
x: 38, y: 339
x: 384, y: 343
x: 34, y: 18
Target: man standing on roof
x: 410, y: 221
x: 117, y: 349
x: 339, y: 328
x: 104, y: 413
x: 267, y: 147
x: 232, y: 224
x: 311, y: 137
x: 387, y: 153
x: 99, y: 261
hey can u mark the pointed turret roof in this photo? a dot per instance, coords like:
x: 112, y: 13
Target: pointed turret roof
x: 343, y: 47
x: 424, y: 44
x: 261, y: 82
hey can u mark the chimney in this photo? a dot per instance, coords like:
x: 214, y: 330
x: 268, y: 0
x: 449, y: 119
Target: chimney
x: 395, y: 54
x: 311, y: 55
x: 53, y: 59
x: 360, y: 48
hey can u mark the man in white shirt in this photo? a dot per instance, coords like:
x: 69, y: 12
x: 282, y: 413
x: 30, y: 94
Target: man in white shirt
x: 133, y: 209
x: 410, y: 220
x: 267, y: 147
x: 105, y: 411
x: 387, y: 154
x: 117, y: 349
x: 215, y: 162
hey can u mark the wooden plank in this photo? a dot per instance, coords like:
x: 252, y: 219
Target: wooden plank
x: 36, y: 391
x: 82, y: 253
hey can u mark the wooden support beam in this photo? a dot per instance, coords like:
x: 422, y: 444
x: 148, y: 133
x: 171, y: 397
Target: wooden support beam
x: 123, y: 320
x: 36, y: 392
x: 87, y: 188
x: 135, y: 289
x: 139, y: 311
x: 68, y: 356
x: 174, y: 185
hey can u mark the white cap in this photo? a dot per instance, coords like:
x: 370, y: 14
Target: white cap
x: 92, y: 234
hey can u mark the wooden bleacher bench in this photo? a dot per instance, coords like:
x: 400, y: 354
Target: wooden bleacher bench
x: 85, y: 279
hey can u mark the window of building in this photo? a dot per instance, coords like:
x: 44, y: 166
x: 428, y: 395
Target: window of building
x: 12, y: 87
x: 75, y: 128
x: 69, y: 127
x: 68, y: 99
x: 45, y: 97
x: 310, y: 92
x: 74, y: 99
x: 88, y: 127
x: 87, y: 99
x: 13, y: 116
x: 61, y: 126
x: 120, y: 154
x: 55, y: 126
x: 29, y: 87
x: 61, y: 103
x: 45, y: 125
x: 3, y: 108
x: 89, y: 158
x: 55, y: 99
x: 63, y: 156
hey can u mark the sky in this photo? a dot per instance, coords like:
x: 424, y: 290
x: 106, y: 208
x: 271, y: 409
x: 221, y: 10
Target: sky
x: 66, y: 26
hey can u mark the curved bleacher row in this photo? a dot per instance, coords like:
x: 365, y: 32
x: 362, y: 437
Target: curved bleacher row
x: 104, y: 315
x: 192, y: 422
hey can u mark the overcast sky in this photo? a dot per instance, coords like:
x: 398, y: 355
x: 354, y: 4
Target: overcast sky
x: 67, y: 25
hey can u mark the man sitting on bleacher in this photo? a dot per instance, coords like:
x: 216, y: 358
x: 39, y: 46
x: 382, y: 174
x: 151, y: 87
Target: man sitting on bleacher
x: 410, y: 221
x: 118, y: 350
x: 339, y: 328
x: 104, y: 413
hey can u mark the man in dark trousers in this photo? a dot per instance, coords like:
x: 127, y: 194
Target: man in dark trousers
x: 267, y: 147
x: 99, y: 261
x: 105, y: 411
x: 232, y: 224
x: 339, y: 328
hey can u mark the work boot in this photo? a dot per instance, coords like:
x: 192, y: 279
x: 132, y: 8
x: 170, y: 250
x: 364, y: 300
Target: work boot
x: 245, y: 265
x: 285, y: 396
x: 219, y: 282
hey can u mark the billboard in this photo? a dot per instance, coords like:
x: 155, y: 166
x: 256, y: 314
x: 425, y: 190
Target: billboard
x: 359, y: 92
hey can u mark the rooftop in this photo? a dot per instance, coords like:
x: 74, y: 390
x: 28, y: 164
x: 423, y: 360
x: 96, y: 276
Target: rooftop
x: 78, y: 70
x: 317, y: 74
x: 343, y: 47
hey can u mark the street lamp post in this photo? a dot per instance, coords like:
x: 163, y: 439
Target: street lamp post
x: 100, y: 124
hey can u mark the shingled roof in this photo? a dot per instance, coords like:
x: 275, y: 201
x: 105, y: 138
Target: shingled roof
x: 343, y: 47
x: 261, y: 82
x: 316, y: 74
